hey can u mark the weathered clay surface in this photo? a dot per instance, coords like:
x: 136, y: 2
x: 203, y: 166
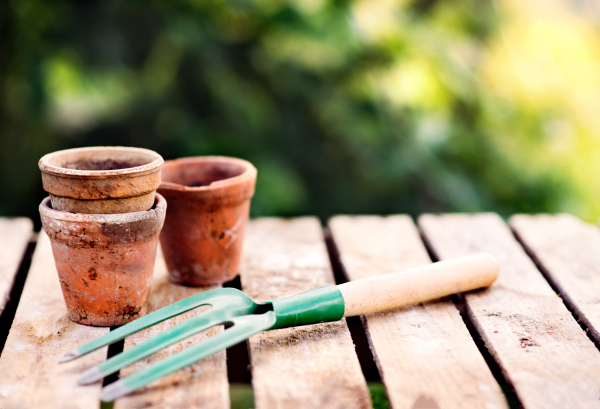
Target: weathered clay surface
x: 104, y: 262
x: 101, y: 179
x: 209, y: 206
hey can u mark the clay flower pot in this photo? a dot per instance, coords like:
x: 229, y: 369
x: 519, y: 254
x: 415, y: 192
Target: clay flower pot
x: 209, y: 204
x: 104, y: 261
x: 101, y: 180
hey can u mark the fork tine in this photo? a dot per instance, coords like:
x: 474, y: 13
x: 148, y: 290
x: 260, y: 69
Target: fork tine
x: 243, y: 328
x: 205, y: 298
x: 170, y: 336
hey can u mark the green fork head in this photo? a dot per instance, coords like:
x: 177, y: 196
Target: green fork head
x: 229, y: 307
x: 225, y: 302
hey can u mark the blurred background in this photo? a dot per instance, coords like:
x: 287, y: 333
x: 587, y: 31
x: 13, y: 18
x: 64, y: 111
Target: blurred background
x: 367, y: 106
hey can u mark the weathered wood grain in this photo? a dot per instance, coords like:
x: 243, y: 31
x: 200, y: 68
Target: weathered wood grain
x: 30, y: 375
x: 568, y: 251
x: 14, y: 237
x: 540, y: 347
x: 202, y: 385
x: 304, y: 367
x: 424, y: 352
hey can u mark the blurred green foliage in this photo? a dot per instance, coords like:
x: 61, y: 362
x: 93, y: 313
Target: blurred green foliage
x: 369, y: 106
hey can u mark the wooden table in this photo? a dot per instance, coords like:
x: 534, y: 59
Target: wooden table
x: 530, y: 340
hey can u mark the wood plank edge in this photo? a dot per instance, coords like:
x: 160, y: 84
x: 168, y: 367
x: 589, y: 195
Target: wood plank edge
x: 8, y: 312
x: 587, y: 327
x: 339, y: 272
x: 364, y: 390
x: 24, y: 225
x: 478, y: 334
x: 356, y: 325
x: 487, y: 351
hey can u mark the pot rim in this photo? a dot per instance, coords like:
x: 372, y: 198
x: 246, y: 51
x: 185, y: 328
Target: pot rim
x: 115, y: 218
x: 249, y: 174
x: 150, y: 167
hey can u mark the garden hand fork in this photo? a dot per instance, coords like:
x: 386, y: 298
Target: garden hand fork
x: 245, y: 318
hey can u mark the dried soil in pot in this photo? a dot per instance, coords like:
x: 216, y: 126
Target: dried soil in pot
x: 104, y: 262
x: 209, y: 205
x: 101, y: 180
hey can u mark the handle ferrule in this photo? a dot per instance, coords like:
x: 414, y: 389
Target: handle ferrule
x: 323, y: 304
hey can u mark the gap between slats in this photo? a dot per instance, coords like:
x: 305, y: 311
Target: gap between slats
x: 239, y: 375
x: 557, y: 289
x: 361, y: 342
x: 113, y: 349
x: 458, y: 300
x: 8, y: 314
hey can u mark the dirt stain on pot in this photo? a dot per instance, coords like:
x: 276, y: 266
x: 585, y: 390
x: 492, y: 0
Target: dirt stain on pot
x: 92, y: 274
x: 130, y: 311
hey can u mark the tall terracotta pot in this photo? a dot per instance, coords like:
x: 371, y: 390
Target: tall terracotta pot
x: 209, y: 205
x: 104, y: 261
x: 102, y: 179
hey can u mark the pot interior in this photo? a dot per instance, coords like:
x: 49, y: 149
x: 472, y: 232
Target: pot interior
x: 202, y: 173
x: 105, y: 164
x: 101, y: 159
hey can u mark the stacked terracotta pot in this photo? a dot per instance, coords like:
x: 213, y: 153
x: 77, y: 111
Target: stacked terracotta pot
x: 104, y: 217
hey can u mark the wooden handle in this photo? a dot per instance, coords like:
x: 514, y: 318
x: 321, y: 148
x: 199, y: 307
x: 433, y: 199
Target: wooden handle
x: 384, y: 292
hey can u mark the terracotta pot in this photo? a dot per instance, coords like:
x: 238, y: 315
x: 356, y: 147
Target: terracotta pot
x: 209, y: 204
x: 102, y: 179
x: 104, y: 261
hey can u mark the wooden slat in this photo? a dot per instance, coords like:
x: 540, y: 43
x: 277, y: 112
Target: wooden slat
x: 304, y: 367
x: 14, y: 237
x: 568, y: 250
x: 540, y: 347
x: 425, y: 352
x: 202, y: 385
x: 30, y: 376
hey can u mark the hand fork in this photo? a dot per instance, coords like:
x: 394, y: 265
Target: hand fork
x: 246, y: 318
